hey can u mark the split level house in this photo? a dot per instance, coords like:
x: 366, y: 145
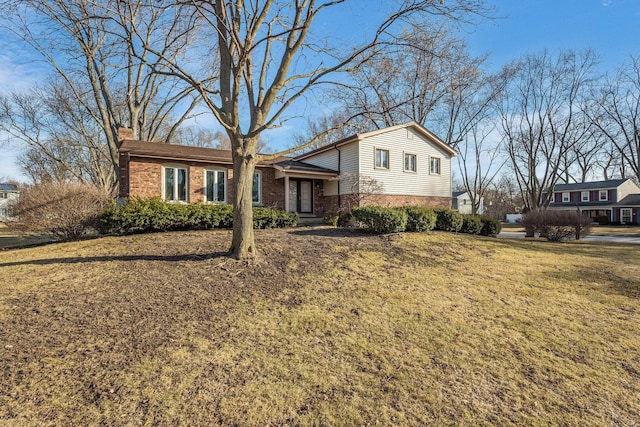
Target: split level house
x: 617, y: 199
x: 407, y: 164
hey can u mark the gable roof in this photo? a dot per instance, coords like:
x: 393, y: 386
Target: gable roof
x: 458, y: 193
x: 360, y: 136
x: 593, y: 185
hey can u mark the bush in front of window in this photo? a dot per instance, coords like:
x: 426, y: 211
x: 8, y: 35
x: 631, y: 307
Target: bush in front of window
x: 66, y: 209
x: 420, y: 219
x: 381, y: 220
x: 448, y: 220
x: 139, y: 215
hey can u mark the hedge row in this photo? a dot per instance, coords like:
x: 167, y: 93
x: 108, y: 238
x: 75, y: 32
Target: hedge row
x: 139, y: 215
x: 393, y: 220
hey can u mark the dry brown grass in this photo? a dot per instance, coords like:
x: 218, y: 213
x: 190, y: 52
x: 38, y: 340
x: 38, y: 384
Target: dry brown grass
x: 326, y: 328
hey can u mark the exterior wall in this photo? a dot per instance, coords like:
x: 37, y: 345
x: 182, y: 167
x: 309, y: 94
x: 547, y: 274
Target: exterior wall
x: 389, y: 200
x: 626, y: 188
x: 143, y: 178
x: 272, y: 189
x: 328, y: 160
x: 616, y: 215
x: 594, y: 196
x: 395, y: 180
x: 6, y: 198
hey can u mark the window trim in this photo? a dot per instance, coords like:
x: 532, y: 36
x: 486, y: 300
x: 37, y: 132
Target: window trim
x: 606, y: 195
x: 375, y: 158
x: 175, y: 167
x: 404, y: 162
x: 226, y: 184
x: 431, y: 169
x: 630, y: 211
x: 566, y: 197
x: 259, y: 201
x: 585, y: 193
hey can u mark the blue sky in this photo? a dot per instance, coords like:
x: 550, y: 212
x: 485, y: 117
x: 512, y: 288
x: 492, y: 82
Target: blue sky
x: 611, y: 27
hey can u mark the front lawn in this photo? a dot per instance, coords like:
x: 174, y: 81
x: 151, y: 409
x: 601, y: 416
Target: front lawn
x: 327, y: 327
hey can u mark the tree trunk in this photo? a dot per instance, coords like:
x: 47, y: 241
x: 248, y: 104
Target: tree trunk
x: 242, y: 244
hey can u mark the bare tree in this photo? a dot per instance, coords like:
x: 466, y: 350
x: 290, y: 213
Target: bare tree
x: 480, y: 160
x: 617, y: 115
x: 541, y: 118
x: 90, y: 48
x: 267, y: 58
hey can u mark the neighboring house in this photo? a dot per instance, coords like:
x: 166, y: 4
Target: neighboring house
x: 617, y: 199
x: 410, y: 164
x: 461, y: 202
x: 8, y: 193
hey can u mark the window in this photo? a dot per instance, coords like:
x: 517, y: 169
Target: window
x: 584, y: 196
x: 435, y: 165
x: 215, y: 186
x: 410, y: 162
x: 175, y: 184
x: 257, y: 188
x: 604, y: 195
x: 626, y: 215
x: 566, y: 197
x: 382, y: 159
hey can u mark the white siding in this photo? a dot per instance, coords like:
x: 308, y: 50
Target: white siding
x: 327, y: 160
x: 330, y: 188
x: 395, y: 180
x: 626, y: 188
x: 349, y: 166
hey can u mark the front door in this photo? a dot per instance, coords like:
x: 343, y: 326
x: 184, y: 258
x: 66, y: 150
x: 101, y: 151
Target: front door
x: 625, y: 216
x: 301, y: 195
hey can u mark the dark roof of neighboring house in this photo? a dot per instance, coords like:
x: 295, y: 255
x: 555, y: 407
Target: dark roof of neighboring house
x: 630, y: 200
x: 294, y: 165
x: 593, y: 185
x: 458, y: 193
x: 158, y: 150
x: 8, y: 187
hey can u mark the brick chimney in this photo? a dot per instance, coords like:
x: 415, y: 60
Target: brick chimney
x: 124, y: 133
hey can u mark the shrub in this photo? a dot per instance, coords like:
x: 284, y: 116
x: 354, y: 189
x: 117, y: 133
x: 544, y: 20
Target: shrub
x: 448, y: 220
x: 557, y: 225
x: 420, y: 218
x: 68, y: 210
x: 603, y: 220
x: 471, y: 224
x: 273, y: 218
x: 381, y: 220
x: 331, y: 218
x: 490, y: 226
x: 153, y: 214
x: 346, y: 219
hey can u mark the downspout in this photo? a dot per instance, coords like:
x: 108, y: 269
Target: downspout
x: 339, y: 171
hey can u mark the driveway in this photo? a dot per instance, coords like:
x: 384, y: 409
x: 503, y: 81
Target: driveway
x: 606, y: 239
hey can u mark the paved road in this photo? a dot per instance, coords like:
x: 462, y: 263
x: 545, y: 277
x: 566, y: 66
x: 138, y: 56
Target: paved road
x: 608, y: 239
